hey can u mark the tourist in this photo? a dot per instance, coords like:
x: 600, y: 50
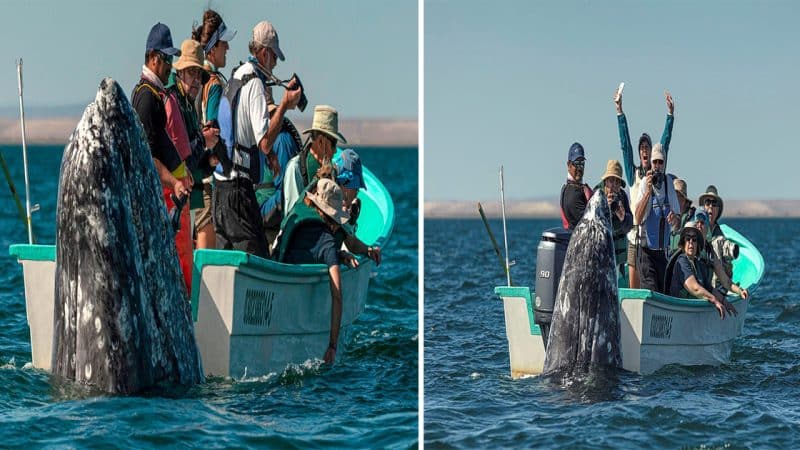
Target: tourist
x: 621, y: 216
x: 237, y: 216
x: 656, y: 213
x: 575, y: 194
x: 691, y: 276
x: 724, y: 249
x: 686, y: 208
x: 634, y: 174
x: 214, y: 36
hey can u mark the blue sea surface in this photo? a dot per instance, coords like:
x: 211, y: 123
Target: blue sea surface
x: 368, y: 399
x: 471, y: 401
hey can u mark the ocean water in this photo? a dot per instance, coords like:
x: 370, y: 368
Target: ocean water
x: 368, y: 399
x: 471, y: 401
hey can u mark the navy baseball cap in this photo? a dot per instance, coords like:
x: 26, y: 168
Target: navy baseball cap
x: 161, y: 39
x: 575, y: 152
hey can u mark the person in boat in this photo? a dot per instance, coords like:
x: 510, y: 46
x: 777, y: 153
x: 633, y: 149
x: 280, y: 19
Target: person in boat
x: 249, y: 131
x: 724, y: 249
x: 575, y: 194
x: 317, y: 151
x: 149, y: 101
x: 612, y: 184
x: 214, y: 36
x: 311, y: 233
x: 269, y: 192
x: 350, y: 178
x: 657, y: 214
x: 192, y: 143
x: 691, y: 274
x: 686, y: 208
x: 634, y: 174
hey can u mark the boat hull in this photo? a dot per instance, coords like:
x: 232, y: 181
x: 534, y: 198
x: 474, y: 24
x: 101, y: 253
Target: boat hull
x: 655, y: 329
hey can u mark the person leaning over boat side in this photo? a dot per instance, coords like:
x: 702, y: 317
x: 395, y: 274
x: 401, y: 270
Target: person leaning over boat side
x: 621, y: 216
x: 214, y: 36
x: 687, y: 212
x: 575, y: 193
x: 724, y: 249
x: 691, y: 276
x: 312, y: 234
x: 317, y: 151
x: 634, y: 174
x: 655, y: 212
x: 248, y: 129
x: 350, y: 178
x: 190, y: 142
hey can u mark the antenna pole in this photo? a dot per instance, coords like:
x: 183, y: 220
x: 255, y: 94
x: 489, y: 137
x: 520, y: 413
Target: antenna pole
x: 505, y: 234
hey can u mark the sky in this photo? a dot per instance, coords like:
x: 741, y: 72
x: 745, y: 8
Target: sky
x: 360, y: 56
x: 516, y: 83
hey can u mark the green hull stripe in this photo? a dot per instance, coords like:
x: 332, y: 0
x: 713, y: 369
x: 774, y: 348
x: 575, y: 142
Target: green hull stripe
x: 524, y: 292
x: 33, y: 252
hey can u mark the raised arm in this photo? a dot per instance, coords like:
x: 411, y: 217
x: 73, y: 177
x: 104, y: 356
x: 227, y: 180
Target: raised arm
x: 624, y: 140
x: 666, y: 136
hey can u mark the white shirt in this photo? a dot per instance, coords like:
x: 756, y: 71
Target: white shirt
x: 252, y: 115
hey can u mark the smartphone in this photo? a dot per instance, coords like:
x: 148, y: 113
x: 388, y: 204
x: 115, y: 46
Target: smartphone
x: 619, y: 89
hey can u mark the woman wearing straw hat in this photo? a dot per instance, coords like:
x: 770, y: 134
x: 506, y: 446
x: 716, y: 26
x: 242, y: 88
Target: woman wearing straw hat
x: 182, y: 127
x: 621, y: 216
x: 691, y: 275
x: 724, y: 249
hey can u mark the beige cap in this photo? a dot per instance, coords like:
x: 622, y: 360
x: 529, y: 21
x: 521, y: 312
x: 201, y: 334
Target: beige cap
x: 658, y: 153
x: 613, y: 169
x: 264, y: 34
x: 326, y: 120
x: 329, y: 198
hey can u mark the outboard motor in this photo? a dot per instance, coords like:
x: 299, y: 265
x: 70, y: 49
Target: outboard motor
x: 549, y: 262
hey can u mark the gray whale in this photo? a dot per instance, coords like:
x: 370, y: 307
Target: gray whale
x: 585, y: 334
x: 122, y: 320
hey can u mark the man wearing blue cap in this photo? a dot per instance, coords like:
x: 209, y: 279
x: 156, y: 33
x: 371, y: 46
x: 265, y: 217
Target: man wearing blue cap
x: 148, y: 102
x: 575, y: 194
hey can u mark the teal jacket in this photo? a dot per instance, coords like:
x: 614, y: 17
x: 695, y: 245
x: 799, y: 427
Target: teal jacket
x: 627, y: 148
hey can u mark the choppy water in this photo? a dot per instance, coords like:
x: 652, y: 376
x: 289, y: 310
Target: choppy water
x: 367, y: 400
x: 471, y: 401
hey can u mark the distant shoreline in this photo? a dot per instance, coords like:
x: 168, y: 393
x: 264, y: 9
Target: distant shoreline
x: 359, y: 132
x: 549, y: 209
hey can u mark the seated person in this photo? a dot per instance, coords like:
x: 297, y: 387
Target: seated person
x: 350, y: 177
x: 691, y: 275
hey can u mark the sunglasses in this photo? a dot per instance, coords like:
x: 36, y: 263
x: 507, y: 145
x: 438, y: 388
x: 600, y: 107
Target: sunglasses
x: 579, y: 164
x: 691, y: 238
x: 710, y: 202
x: 658, y: 162
x: 166, y: 58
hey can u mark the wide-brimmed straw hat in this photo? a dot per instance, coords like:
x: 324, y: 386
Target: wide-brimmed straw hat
x: 711, y: 192
x: 329, y: 198
x: 326, y: 120
x: 191, y: 56
x: 691, y: 227
x: 613, y: 169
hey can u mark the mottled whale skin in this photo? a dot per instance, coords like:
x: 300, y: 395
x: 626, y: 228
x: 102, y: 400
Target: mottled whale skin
x: 122, y: 320
x: 585, y: 333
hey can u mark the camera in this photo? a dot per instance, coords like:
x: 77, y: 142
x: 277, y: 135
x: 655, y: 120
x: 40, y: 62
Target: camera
x: 658, y: 178
x: 727, y: 249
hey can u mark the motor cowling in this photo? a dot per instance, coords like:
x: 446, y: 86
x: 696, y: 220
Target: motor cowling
x: 549, y: 262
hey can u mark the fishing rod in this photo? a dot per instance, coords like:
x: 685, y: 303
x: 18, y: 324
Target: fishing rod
x: 25, y: 156
x: 491, y: 236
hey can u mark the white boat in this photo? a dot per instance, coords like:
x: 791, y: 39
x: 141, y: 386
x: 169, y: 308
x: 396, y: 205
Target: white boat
x: 656, y: 329
x: 252, y: 316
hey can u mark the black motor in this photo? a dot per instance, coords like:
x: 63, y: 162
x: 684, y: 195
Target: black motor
x: 549, y: 262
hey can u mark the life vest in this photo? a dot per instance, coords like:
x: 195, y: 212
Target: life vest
x: 300, y: 214
x: 239, y: 161
x: 587, y: 192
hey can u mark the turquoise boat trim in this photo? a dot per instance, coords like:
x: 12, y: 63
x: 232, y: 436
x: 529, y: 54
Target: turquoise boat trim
x: 524, y: 292
x: 33, y: 252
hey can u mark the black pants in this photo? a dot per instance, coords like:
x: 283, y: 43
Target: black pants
x: 237, y: 218
x: 652, y: 268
